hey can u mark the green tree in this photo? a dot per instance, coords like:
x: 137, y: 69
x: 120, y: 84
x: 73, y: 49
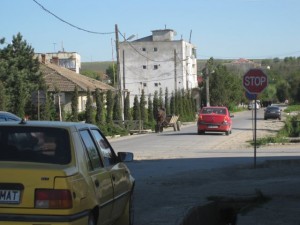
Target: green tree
x: 99, y: 107
x: 109, y: 106
x: 160, y: 98
x: 2, y: 97
x: 74, y: 104
x: 172, y: 104
x: 136, y: 109
x: 89, y: 108
x: 155, y: 104
x: 150, y: 109
x: 167, y: 104
x: 127, y: 115
x: 143, y: 107
x: 92, y: 74
x: 112, y: 74
x: 117, y: 114
x: 177, y: 103
x: 225, y: 88
x: 48, y: 109
x: 19, y: 72
x: 282, y: 92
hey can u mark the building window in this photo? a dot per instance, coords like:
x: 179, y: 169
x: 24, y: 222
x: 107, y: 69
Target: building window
x: 145, y: 84
x: 155, y: 67
x: 143, y: 49
x: 155, y: 49
x: 144, y: 67
x: 156, y: 84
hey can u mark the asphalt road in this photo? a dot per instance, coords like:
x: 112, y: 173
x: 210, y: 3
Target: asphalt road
x: 172, y: 157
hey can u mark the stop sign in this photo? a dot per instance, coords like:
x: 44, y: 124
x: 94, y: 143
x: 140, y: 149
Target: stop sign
x: 255, y: 81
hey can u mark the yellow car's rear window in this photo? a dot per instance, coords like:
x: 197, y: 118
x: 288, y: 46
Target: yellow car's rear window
x: 34, y: 144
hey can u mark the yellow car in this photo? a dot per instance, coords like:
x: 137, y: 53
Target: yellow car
x: 59, y: 173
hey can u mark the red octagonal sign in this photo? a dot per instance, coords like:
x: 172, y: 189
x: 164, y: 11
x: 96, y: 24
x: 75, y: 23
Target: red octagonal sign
x: 255, y: 81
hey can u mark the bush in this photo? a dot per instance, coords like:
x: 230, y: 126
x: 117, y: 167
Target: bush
x: 112, y: 130
x: 295, y: 126
x: 149, y: 125
x: 290, y: 129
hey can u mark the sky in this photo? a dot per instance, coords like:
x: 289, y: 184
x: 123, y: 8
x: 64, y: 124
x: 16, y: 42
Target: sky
x: 222, y: 29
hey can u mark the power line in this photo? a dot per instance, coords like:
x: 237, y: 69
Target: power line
x: 72, y: 25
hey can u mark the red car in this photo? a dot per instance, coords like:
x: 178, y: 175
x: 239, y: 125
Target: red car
x: 214, y: 119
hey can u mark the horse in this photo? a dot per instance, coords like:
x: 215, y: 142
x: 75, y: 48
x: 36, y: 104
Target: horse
x: 160, y: 119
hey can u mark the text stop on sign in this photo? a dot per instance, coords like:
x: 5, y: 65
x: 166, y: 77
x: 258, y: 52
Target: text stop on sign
x: 255, y: 81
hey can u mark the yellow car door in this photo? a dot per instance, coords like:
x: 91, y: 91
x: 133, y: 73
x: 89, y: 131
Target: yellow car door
x: 119, y: 174
x: 101, y: 179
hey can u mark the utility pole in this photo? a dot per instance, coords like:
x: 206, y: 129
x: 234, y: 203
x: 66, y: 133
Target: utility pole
x: 175, y: 71
x: 207, y: 85
x: 118, y: 56
x: 208, y: 71
x: 118, y: 69
x: 124, y: 88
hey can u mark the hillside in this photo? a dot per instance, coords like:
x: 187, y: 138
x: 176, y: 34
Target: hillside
x: 95, y: 66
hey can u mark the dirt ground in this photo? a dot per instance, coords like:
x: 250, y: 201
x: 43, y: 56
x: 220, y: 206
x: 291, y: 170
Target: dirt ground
x: 270, y: 193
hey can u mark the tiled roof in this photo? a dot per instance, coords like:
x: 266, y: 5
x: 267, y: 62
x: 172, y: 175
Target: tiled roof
x: 241, y: 60
x: 65, y: 80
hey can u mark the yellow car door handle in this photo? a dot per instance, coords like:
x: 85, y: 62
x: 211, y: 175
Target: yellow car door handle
x: 97, y: 184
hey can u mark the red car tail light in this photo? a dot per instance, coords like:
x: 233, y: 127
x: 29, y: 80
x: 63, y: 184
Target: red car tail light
x: 53, y: 199
x: 225, y: 120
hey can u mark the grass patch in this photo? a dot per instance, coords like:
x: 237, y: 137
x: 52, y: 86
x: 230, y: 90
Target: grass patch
x: 292, y: 108
x: 268, y: 140
x: 291, y: 129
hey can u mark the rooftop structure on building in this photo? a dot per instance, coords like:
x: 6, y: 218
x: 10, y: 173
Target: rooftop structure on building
x: 69, y: 60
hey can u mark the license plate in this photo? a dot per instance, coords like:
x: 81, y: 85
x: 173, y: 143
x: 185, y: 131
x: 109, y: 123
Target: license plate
x: 212, y: 126
x: 10, y: 196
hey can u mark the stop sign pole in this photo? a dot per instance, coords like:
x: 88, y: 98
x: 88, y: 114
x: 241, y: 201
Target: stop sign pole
x: 255, y: 81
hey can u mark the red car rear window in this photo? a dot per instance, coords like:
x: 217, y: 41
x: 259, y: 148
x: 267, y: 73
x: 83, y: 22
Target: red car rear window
x: 221, y: 111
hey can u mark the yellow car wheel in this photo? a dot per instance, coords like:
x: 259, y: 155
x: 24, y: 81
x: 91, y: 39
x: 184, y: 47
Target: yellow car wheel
x: 91, y: 220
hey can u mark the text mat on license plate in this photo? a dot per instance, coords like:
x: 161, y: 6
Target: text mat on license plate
x: 9, y: 196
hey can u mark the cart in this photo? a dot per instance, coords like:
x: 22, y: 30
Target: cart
x: 169, y: 121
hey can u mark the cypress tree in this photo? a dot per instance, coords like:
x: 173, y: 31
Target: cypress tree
x: 176, y: 103
x: 185, y: 109
x: 155, y: 104
x: 180, y: 104
x: 74, y: 104
x: 89, y: 108
x: 150, y: 109
x: 99, y: 107
x: 109, y: 106
x: 160, y: 100
x: 167, y: 104
x: 136, y: 109
x: 143, y: 107
x: 127, y: 107
x: 48, y: 109
x: 172, y: 104
x: 117, y: 114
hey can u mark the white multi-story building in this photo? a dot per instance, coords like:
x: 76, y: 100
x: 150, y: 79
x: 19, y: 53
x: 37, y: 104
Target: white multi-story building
x: 155, y: 62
